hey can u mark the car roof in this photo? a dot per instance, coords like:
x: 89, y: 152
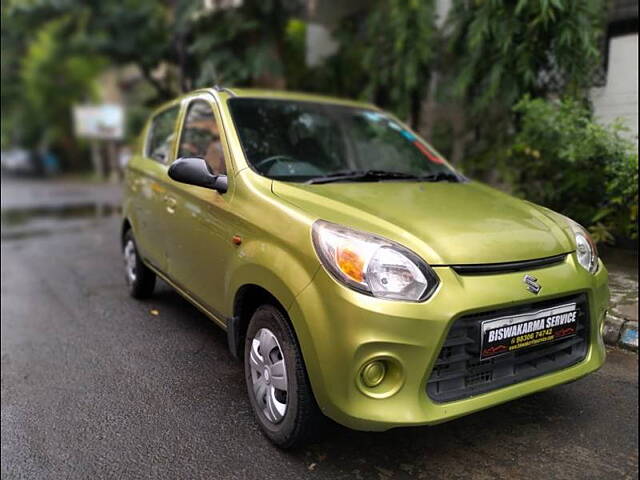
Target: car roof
x: 288, y: 95
x: 228, y: 93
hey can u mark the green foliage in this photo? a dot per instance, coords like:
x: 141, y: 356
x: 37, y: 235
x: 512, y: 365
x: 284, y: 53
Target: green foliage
x: 564, y: 160
x: 45, y: 77
x: 619, y: 212
x: 14, y: 47
x: 400, y: 51
x: 246, y: 45
x: 387, y: 57
x: 127, y: 31
x: 295, y: 68
x: 503, y: 49
x: 53, y: 50
x: 53, y: 77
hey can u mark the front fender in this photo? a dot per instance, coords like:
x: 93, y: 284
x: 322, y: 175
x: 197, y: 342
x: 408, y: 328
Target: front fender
x: 128, y: 210
x: 284, y: 276
x: 270, y: 267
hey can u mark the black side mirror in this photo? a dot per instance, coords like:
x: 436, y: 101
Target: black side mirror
x: 194, y: 171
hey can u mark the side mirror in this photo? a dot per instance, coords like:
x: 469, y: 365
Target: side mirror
x: 194, y: 171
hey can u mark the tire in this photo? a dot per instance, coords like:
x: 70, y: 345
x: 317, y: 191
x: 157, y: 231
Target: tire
x: 301, y: 417
x: 140, y: 279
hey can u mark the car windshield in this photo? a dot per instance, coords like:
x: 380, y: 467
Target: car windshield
x: 303, y: 141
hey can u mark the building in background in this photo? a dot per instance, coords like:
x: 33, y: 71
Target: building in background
x: 617, y: 94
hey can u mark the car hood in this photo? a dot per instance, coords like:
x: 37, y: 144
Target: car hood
x: 447, y: 223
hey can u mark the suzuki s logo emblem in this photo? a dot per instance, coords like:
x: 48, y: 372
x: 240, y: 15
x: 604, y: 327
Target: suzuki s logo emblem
x: 532, y: 284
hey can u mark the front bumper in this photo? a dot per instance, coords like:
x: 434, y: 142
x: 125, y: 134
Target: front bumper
x: 341, y: 330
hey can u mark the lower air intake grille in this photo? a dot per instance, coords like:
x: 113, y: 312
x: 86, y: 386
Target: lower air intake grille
x: 459, y: 373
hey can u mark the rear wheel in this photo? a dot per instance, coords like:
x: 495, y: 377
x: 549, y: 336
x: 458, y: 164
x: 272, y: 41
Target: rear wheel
x: 140, y: 279
x: 277, y: 381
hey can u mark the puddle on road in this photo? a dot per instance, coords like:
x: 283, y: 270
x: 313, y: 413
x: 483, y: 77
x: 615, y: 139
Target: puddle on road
x: 43, y: 220
x: 12, y: 217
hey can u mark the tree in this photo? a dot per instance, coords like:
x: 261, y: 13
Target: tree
x: 197, y: 45
x: 245, y: 45
x: 505, y: 49
x: 43, y: 74
x: 388, y: 55
x: 501, y: 50
x: 125, y: 32
x: 54, y: 77
x: 14, y: 46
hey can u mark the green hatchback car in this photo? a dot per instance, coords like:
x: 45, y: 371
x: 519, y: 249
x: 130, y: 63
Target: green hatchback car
x: 358, y: 275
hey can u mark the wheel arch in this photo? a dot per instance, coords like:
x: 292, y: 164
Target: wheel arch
x: 275, y: 278
x: 246, y: 301
x: 126, y: 226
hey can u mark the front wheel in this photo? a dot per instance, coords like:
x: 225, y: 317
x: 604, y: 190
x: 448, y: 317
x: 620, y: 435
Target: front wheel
x: 277, y: 381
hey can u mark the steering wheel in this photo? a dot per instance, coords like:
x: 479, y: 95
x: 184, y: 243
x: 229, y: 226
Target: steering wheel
x: 272, y: 159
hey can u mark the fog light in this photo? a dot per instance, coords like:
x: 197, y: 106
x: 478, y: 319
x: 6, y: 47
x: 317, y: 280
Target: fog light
x: 373, y: 373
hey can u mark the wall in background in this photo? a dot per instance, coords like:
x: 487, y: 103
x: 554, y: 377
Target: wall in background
x: 619, y: 96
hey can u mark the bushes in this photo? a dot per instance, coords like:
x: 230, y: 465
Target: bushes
x: 564, y: 160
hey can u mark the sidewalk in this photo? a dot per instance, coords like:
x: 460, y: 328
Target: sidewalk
x: 621, y: 327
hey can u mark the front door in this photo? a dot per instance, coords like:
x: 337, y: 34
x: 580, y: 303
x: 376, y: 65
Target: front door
x: 203, y: 221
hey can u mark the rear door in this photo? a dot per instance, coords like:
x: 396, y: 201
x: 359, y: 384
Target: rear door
x: 149, y: 183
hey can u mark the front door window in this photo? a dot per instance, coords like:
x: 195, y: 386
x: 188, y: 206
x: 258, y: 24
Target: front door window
x: 201, y: 137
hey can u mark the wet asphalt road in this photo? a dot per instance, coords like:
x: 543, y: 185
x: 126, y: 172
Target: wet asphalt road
x: 96, y: 386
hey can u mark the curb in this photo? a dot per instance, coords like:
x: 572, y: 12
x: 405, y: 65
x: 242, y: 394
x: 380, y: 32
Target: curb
x: 621, y: 332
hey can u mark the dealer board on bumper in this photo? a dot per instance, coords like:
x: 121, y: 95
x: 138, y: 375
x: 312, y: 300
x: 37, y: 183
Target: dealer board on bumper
x: 510, y: 333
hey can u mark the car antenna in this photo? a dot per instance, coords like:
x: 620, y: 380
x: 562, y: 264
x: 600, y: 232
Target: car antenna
x: 218, y: 88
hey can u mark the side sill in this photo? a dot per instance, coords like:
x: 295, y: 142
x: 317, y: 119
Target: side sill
x: 217, y: 318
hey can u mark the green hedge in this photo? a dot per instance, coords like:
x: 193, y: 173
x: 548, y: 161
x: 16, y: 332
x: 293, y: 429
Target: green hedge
x: 563, y: 159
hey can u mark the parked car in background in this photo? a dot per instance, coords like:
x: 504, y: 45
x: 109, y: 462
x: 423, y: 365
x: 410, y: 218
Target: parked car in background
x: 357, y: 274
x: 18, y: 161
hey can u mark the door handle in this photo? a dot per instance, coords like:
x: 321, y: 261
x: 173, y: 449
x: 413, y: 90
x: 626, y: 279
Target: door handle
x: 171, y: 203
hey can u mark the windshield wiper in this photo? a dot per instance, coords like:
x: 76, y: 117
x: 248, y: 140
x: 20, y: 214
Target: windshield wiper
x: 362, y: 175
x: 441, y: 177
x: 383, y: 175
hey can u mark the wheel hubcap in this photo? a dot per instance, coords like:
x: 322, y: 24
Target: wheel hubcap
x: 130, y: 261
x: 268, y: 375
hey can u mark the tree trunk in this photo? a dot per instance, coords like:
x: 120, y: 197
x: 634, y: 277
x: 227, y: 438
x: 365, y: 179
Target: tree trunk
x: 428, y: 110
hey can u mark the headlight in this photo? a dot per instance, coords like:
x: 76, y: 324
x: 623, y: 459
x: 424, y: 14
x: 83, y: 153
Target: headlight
x: 371, y: 264
x: 586, y: 250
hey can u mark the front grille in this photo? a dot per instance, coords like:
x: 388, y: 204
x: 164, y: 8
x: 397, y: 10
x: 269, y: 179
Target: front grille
x: 488, y: 268
x: 459, y: 373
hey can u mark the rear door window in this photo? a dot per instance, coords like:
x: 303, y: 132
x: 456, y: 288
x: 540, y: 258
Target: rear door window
x: 161, y: 135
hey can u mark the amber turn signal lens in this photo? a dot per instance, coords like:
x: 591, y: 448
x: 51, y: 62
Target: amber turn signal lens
x: 351, y: 264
